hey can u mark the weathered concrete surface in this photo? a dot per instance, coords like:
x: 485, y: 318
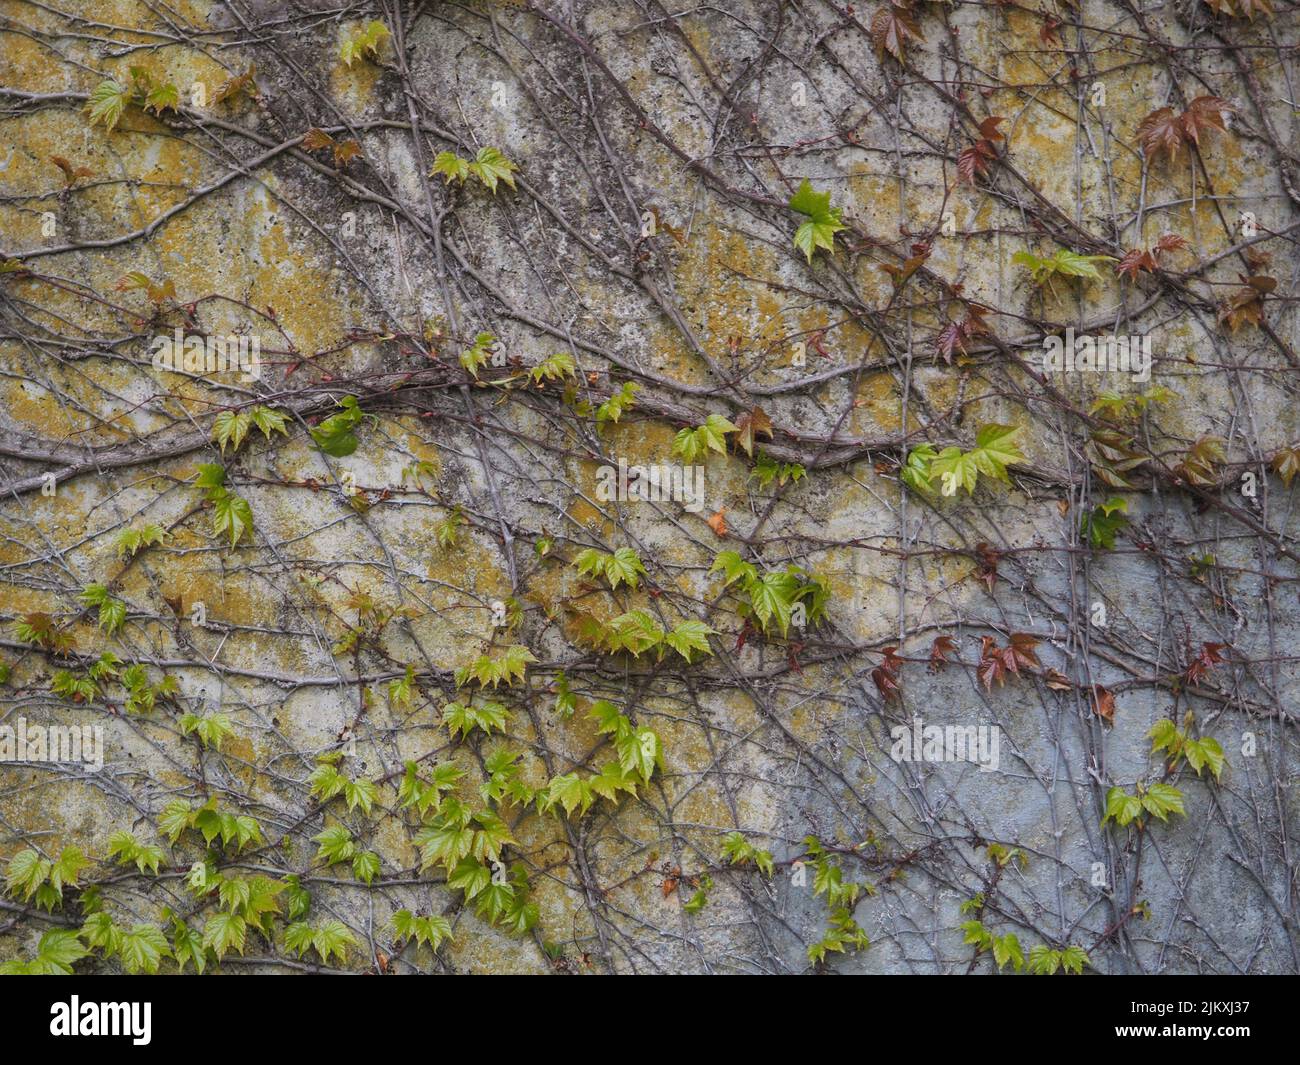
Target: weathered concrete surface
x: 353, y: 290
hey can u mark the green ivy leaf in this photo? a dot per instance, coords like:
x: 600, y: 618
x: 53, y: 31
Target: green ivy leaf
x: 224, y: 932
x: 490, y: 166
x: 107, y: 102
x: 143, y: 948
x: 823, y: 220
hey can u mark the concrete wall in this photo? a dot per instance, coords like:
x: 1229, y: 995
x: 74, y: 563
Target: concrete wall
x: 367, y: 279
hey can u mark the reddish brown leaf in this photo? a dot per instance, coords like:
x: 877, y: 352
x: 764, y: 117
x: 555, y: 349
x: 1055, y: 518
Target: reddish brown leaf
x: 1022, y: 650
x: 886, y: 682
x: 942, y: 647
x: 1250, y: 8
x: 345, y: 152
x: 315, y: 139
x: 990, y: 670
x: 973, y: 162
x: 950, y: 340
x: 886, y: 675
x: 1204, y: 113
x: 890, y: 28
x: 233, y: 86
x: 1103, y: 703
x: 1205, y: 661
x: 1057, y: 681
x: 1246, y: 306
x: 70, y: 173
x: 1135, y: 261
x: 988, y: 565
x: 718, y: 522
x: 751, y: 424
x: 1286, y: 463
x: 1160, y: 131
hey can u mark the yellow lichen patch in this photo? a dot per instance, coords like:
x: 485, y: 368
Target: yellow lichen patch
x: 39, y: 409
x: 876, y: 406
x: 33, y: 66
x: 422, y: 452
x: 209, y: 248
x: 1022, y: 55
x: 720, y: 276
x: 240, y: 758
x: 1043, y: 144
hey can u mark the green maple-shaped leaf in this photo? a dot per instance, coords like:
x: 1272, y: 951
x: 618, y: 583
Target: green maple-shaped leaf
x: 56, y: 952
x: 451, y: 166
x: 333, y: 937
x: 1121, y: 806
x: 490, y: 166
x: 1064, y: 262
x: 335, y: 434
x: 464, y: 719
x: 231, y: 516
x: 1205, y: 752
x: 444, y: 843
x: 224, y: 932
x: 734, y: 568
x: 640, y: 752
x: 176, y: 817
x: 1162, y: 800
x: 270, y: 420
x: 994, y: 450
x: 470, y: 876
x: 162, y: 98
x: 1007, y: 949
x: 107, y: 102
x: 297, y: 897
x: 634, y: 632
x: 211, y: 729
x: 187, y: 947
x: 363, y: 41
x: 612, y: 779
x: 689, y: 636
x: 955, y: 469
x: 691, y: 444
x: 491, y: 835
x: 143, y: 948
x: 609, y: 721
x: 823, y: 220
x: 570, y: 791
x: 1073, y: 959
x: 624, y: 566
x: 773, y: 596
x: 334, y: 845
x: 26, y: 872
x: 230, y: 427
x: 916, y: 471
x: 360, y: 793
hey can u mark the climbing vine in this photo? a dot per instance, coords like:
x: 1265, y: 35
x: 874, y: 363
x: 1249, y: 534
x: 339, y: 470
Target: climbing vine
x: 601, y: 488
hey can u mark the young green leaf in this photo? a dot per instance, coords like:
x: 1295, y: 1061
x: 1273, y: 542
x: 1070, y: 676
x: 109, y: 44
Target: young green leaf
x: 823, y: 220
